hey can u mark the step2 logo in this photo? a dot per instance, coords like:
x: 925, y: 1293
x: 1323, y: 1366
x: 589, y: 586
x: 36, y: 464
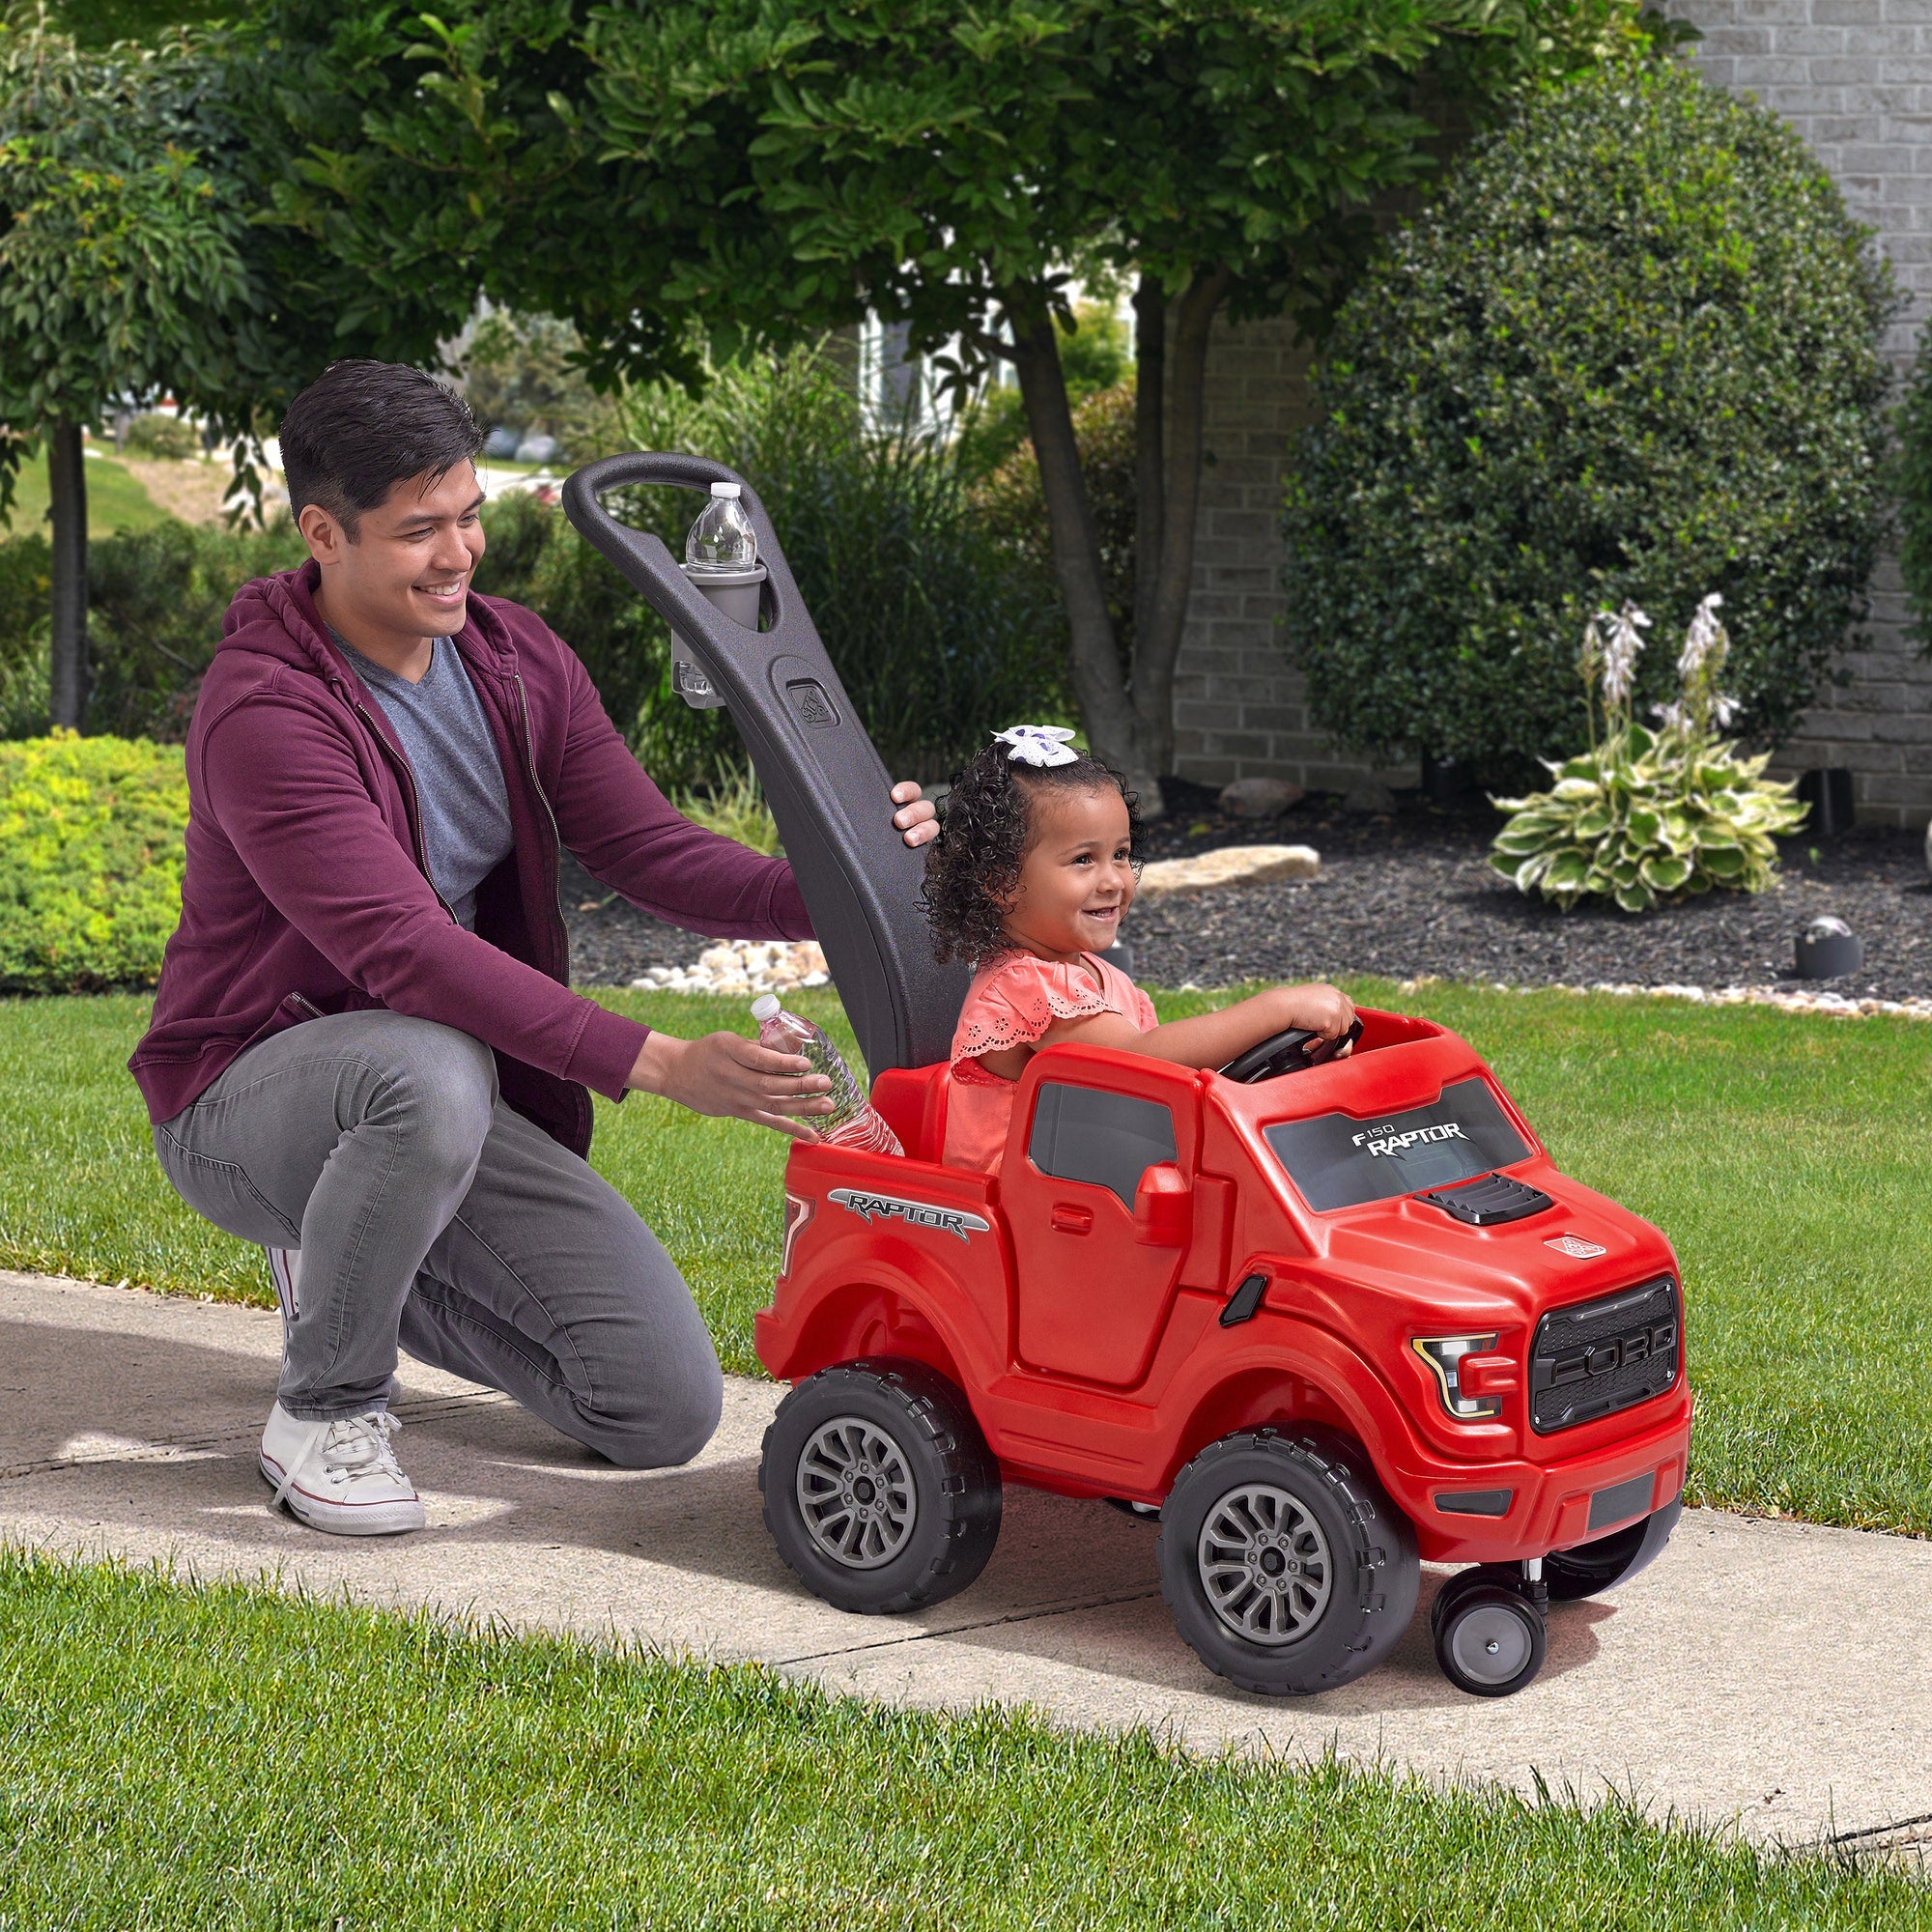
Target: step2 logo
x: 1575, y: 1247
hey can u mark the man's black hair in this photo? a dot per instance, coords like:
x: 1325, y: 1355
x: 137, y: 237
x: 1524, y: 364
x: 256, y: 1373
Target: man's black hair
x: 362, y: 427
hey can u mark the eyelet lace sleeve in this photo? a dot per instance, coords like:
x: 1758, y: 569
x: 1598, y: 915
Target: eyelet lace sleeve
x: 1015, y: 1000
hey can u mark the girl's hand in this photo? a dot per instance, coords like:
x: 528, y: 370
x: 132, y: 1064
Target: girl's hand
x: 1321, y: 1007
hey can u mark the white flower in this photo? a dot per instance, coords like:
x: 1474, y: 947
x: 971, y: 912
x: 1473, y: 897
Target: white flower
x: 1726, y: 708
x: 1704, y: 640
x: 1038, y: 745
x: 1670, y: 716
x: 1622, y: 650
x: 1590, y: 659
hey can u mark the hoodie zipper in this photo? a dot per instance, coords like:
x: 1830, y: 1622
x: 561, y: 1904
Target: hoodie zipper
x: 556, y: 837
x: 415, y: 810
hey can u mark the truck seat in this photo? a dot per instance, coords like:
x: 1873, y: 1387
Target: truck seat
x: 913, y: 1102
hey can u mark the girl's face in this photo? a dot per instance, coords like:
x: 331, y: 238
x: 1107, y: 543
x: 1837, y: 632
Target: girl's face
x: 1076, y: 881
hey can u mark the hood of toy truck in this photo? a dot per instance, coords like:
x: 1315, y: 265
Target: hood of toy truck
x: 1407, y: 1172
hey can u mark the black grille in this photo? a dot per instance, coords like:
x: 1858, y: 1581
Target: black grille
x: 1605, y: 1355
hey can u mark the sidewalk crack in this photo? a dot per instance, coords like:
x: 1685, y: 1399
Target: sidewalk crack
x: 1034, y: 1615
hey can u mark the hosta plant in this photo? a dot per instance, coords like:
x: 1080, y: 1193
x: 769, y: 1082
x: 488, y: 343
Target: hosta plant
x: 1645, y: 815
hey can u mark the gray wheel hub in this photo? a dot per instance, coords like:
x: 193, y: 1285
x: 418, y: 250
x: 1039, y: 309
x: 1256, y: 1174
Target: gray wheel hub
x: 1265, y: 1565
x: 856, y: 1495
x: 1490, y: 1644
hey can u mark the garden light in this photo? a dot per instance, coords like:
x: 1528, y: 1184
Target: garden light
x: 1445, y: 1355
x: 1827, y: 948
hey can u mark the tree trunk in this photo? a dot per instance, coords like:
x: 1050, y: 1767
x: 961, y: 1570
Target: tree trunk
x: 66, y: 484
x: 1130, y: 720
x: 1097, y: 684
x: 1164, y: 556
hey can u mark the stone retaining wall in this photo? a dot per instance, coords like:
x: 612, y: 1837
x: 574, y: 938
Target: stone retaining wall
x: 1855, y: 77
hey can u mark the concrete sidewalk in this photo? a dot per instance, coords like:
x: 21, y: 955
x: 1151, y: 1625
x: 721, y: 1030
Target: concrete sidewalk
x: 1769, y: 1674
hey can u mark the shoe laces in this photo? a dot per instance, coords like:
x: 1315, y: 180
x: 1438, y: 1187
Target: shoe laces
x: 348, y: 1447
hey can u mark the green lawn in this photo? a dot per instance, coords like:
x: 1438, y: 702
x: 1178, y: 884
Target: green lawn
x: 173, y: 1757
x: 115, y: 500
x: 1784, y: 1155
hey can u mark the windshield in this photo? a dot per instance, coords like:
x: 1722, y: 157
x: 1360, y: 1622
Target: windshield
x: 1338, y: 1161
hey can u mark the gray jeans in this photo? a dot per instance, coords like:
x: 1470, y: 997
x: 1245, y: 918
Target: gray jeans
x: 430, y: 1215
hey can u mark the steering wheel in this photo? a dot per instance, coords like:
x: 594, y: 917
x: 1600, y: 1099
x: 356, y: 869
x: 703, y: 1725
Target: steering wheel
x: 1293, y: 1051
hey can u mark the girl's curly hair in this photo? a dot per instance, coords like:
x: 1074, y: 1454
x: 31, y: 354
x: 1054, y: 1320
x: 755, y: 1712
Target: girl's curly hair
x: 985, y: 830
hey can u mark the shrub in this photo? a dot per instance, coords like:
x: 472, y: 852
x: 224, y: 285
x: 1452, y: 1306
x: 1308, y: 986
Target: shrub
x: 1014, y: 506
x: 26, y: 582
x: 159, y: 436
x: 1631, y: 352
x: 1641, y: 816
x: 92, y: 851
x: 936, y: 633
x: 156, y: 599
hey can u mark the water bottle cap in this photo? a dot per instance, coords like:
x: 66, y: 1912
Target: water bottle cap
x: 726, y: 489
x: 764, y: 1007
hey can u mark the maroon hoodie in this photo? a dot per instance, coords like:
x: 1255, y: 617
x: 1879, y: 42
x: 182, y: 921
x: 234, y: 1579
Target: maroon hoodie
x: 306, y: 891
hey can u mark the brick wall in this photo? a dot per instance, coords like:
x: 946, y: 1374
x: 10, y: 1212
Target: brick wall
x: 1854, y: 77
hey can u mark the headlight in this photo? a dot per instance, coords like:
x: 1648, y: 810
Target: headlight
x: 1443, y: 1354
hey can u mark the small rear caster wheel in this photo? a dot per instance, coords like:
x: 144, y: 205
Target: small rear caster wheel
x: 1284, y: 1562
x: 879, y: 1488
x: 1490, y: 1637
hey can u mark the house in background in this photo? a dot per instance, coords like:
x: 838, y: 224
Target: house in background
x: 1854, y: 77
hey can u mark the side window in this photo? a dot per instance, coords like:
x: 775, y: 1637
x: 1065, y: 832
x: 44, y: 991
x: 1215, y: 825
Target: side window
x: 1080, y: 1133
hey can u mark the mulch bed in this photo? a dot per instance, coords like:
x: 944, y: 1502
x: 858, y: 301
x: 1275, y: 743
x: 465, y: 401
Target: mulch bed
x: 1409, y: 892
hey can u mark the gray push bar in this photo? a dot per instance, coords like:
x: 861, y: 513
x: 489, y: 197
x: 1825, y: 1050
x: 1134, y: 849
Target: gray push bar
x: 827, y: 790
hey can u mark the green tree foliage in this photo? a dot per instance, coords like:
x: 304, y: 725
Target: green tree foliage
x: 1629, y: 353
x: 768, y: 169
x: 91, y: 859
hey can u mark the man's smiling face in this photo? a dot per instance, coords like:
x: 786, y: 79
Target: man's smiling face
x: 404, y: 574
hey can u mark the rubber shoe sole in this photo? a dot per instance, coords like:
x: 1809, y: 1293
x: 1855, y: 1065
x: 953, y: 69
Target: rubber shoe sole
x: 339, y: 1518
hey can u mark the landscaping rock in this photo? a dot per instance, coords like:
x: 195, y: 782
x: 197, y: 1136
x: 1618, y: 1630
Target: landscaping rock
x: 1229, y: 866
x: 1369, y: 795
x: 1259, y: 798
x: 745, y: 968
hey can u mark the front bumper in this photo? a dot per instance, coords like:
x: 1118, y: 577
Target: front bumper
x: 1502, y: 1512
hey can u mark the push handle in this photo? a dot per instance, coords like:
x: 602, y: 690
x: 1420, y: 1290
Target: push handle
x: 827, y: 790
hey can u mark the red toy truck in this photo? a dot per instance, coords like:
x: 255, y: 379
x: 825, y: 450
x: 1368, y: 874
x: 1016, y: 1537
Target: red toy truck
x: 1323, y: 1319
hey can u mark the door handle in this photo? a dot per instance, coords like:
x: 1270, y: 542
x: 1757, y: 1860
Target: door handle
x: 1069, y: 1219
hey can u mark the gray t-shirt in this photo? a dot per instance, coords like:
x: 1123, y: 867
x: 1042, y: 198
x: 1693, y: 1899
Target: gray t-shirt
x: 465, y: 807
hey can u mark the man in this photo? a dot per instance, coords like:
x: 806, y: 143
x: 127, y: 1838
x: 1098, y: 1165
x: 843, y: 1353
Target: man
x: 364, y: 1053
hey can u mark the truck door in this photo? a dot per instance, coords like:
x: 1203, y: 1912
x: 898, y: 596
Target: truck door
x: 1095, y: 1288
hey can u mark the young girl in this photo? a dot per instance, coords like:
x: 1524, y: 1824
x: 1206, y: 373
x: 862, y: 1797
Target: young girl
x: 1033, y: 868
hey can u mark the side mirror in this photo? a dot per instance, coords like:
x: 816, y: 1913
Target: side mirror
x: 1163, y: 1207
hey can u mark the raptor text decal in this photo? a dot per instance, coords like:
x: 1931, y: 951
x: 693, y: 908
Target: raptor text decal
x: 1385, y: 1139
x: 914, y: 1213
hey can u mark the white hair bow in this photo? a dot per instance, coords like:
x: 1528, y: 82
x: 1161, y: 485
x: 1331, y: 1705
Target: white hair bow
x: 1038, y: 745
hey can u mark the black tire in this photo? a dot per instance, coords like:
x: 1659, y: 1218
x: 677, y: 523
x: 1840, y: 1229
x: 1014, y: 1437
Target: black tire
x: 1490, y: 1635
x: 1285, y: 1635
x: 1592, y: 1567
x: 879, y: 1488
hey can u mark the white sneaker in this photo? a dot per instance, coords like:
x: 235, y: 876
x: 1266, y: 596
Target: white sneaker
x: 285, y: 1270
x: 340, y: 1474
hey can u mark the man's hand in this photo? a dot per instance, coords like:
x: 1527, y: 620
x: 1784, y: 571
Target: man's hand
x: 733, y: 1078
x: 918, y: 819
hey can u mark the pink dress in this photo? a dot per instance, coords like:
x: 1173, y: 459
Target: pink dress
x: 1011, y: 1002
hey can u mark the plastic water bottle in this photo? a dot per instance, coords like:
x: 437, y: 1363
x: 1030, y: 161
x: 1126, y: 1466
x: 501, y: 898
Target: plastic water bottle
x: 854, y: 1121
x: 721, y: 538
